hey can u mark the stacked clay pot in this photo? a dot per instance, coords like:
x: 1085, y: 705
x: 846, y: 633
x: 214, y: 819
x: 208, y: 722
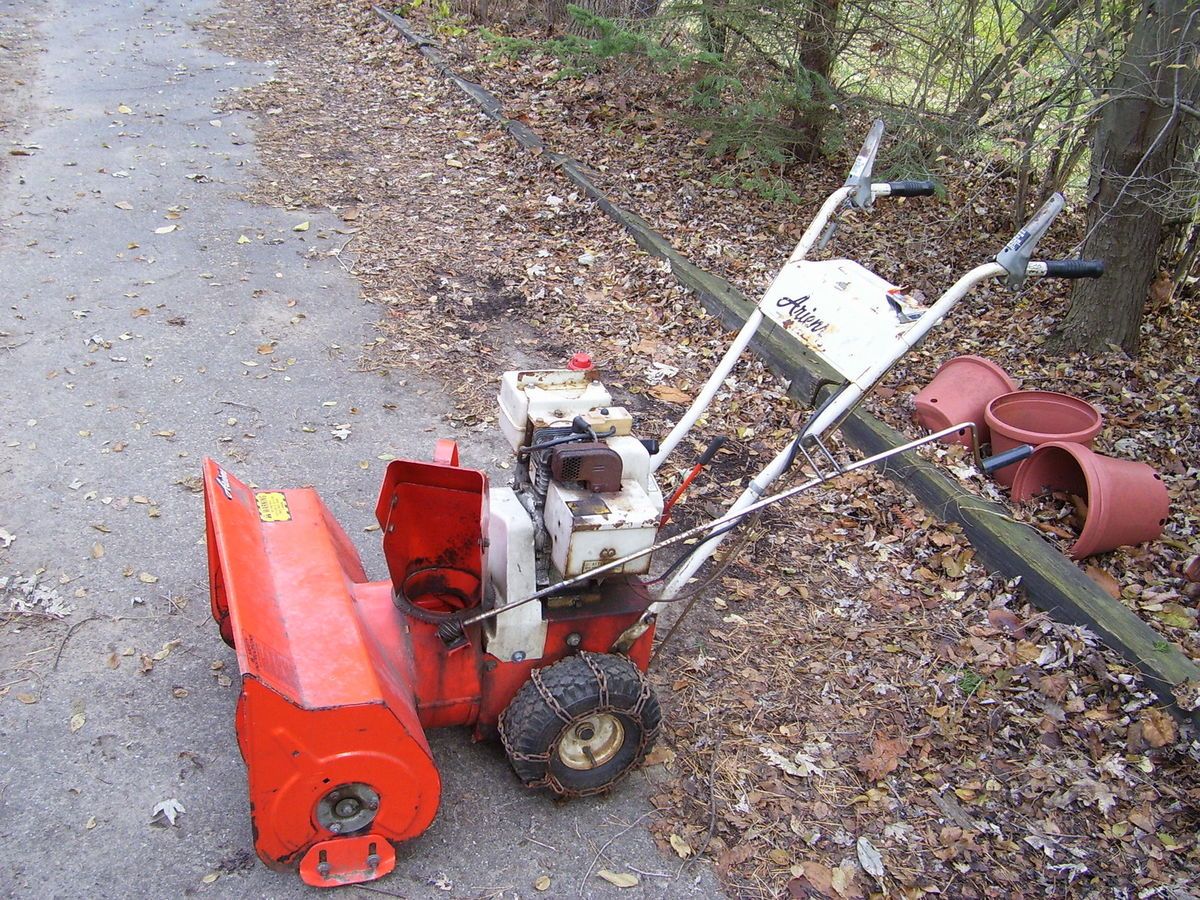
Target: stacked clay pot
x: 1126, y: 502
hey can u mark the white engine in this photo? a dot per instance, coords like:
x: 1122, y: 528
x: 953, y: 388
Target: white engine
x: 592, y: 482
x: 582, y: 497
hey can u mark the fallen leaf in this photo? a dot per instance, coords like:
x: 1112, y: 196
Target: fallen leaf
x: 817, y: 876
x: 97, y: 550
x: 1158, y: 728
x: 542, y: 883
x: 124, y: 110
x: 162, y: 654
x: 123, y: 204
x: 211, y: 877
x: 78, y: 720
x: 884, y: 757
x: 620, y: 879
x: 165, y: 229
x: 91, y: 823
x: 1110, y: 585
x: 243, y: 239
x: 668, y: 394
x: 680, y: 846
x: 147, y: 578
x: 303, y: 226
x: 28, y: 698
x: 870, y: 859
x: 800, y: 765
x: 168, y: 810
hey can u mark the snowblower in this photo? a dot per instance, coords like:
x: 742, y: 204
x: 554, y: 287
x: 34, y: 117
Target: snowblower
x: 524, y: 611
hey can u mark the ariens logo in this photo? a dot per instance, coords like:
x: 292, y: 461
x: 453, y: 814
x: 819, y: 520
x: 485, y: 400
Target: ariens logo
x: 799, y: 313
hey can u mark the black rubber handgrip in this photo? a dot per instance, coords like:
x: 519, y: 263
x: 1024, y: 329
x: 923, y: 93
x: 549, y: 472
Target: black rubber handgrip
x: 1074, y: 268
x: 1007, y: 458
x: 711, y: 450
x: 912, y: 188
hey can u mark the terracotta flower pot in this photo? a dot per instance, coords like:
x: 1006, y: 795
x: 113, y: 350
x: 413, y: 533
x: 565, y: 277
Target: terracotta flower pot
x: 1038, y: 417
x: 1127, y: 502
x: 959, y: 392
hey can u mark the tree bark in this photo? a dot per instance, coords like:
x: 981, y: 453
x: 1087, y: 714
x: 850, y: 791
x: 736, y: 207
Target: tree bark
x: 815, y: 61
x: 1136, y: 146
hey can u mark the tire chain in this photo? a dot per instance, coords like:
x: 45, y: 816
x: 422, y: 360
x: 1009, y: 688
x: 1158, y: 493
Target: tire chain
x: 635, y: 713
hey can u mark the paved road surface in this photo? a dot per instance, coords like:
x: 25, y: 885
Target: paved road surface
x: 130, y: 353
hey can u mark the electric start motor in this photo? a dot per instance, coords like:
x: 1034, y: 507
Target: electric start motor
x: 582, y: 477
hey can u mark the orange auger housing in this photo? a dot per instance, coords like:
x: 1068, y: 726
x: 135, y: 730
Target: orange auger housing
x: 339, y: 679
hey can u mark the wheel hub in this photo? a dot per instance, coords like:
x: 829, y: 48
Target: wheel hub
x: 590, y: 742
x: 348, y: 808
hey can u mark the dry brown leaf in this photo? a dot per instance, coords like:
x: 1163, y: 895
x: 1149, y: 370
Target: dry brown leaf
x: 620, y: 879
x: 817, y: 876
x: 1110, y: 585
x: 1158, y: 728
x: 884, y: 757
x: 680, y: 846
x: 668, y: 394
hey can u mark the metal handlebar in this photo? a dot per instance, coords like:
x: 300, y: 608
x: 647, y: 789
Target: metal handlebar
x: 1017, y: 252
x: 860, y: 173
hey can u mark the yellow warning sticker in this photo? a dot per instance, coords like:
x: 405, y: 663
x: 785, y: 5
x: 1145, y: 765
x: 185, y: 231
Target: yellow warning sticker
x: 272, y: 507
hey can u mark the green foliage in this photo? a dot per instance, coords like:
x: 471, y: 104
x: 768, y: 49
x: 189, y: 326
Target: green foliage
x: 970, y: 682
x: 756, y: 127
x: 753, y: 122
x: 579, y: 54
x: 441, y: 16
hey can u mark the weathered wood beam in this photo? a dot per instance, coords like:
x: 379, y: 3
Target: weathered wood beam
x: 1003, y: 545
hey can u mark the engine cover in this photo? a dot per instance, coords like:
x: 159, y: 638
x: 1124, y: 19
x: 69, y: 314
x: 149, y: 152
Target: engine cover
x: 588, y: 530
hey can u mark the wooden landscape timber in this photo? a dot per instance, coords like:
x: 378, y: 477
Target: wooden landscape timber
x: 1003, y: 545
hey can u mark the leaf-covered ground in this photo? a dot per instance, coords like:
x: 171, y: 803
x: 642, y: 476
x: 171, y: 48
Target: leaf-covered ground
x: 857, y: 707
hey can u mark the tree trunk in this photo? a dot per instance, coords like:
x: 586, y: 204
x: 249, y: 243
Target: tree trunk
x: 815, y: 61
x: 1136, y: 145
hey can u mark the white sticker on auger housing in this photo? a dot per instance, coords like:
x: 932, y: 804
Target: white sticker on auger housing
x: 844, y: 312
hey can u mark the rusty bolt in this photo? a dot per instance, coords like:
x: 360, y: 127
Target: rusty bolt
x: 323, y: 869
x: 373, y: 861
x: 335, y: 827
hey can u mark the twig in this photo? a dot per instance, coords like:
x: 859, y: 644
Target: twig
x: 337, y: 254
x: 67, y: 637
x: 595, y: 859
x: 15, y: 346
x: 378, y: 890
x: 712, y: 796
x: 242, y: 406
x: 650, y: 874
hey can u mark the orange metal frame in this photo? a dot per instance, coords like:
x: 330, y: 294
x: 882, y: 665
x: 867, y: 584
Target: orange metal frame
x: 338, y: 683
